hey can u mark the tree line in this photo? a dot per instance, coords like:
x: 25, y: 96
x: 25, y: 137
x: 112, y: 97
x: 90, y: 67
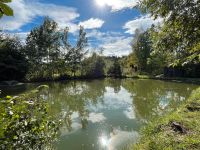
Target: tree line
x: 47, y: 54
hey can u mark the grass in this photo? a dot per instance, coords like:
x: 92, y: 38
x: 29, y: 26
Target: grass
x: 179, y: 130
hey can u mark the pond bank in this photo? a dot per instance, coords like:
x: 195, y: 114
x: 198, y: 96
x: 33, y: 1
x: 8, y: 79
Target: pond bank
x: 178, y: 130
x: 177, y: 79
x: 174, y: 79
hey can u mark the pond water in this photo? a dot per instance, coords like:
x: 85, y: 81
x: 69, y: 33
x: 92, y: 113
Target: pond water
x: 108, y: 114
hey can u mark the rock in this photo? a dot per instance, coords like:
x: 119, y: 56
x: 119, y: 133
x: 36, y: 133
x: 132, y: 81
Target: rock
x: 178, y: 127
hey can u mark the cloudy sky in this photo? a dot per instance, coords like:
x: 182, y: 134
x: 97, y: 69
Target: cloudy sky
x: 110, y: 24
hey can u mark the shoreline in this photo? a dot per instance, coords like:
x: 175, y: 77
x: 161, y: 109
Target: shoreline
x: 175, y: 79
x: 177, y: 130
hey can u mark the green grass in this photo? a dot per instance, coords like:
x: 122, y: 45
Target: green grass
x: 162, y: 135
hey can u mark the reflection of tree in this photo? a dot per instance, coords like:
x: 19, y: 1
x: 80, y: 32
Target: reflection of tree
x: 114, y: 83
x: 73, y: 97
x: 150, y: 96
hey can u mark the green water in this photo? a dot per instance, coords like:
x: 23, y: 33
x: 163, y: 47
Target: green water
x: 108, y: 114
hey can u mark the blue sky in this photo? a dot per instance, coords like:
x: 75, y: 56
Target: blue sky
x: 110, y: 24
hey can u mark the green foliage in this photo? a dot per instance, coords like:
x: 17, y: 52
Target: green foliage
x: 13, y: 62
x: 180, y: 32
x: 42, y: 45
x: 25, y: 122
x: 142, y: 48
x: 48, y: 48
x: 76, y: 54
x: 93, y: 67
x: 129, y: 65
x: 144, y: 59
x: 115, y: 70
x: 5, y: 9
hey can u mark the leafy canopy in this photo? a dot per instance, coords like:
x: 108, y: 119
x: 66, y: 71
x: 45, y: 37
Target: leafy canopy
x: 180, y: 32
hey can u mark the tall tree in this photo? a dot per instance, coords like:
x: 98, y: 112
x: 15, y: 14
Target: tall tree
x: 76, y: 54
x: 42, y: 45
x: 142, y: 48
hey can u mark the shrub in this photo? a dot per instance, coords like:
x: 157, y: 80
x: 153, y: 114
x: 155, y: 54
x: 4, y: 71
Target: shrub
x: 25, y: 122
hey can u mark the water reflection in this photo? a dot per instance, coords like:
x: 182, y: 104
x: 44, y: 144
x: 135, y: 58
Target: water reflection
x: 151, y: 98
x: 105, y: 114
x: 117, y: 139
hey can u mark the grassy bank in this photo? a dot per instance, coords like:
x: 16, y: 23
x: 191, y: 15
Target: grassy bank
x: 178, y: 130
x: 172, y: 79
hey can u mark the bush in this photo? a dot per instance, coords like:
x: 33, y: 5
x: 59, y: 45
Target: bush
x: 25, y: 122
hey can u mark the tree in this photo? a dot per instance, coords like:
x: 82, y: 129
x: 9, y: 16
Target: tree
x: 93, y: 67
x: 115, y: 69
x: 5, y: 9
x: 13, y: 64
x: 129, y: 64
x: 180, y: 32
x: 43, y: 46
x: 142, y: 48
x: 76, y: 54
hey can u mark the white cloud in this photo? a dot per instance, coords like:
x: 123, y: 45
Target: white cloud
x: 143, y: 22
x: 117, y: 5
x: 92, y: 23
x: 118, y: 47
x: 27, y: 11
x: 113, y: 43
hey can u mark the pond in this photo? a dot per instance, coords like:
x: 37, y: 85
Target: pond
x: 108, y: 114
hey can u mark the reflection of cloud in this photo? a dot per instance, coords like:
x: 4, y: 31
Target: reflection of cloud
x: 121, y: 139
x: 112, y: 100
x: 130, y: 113
x: 164, y: 102
x: 96, y: 117
x: 74, y: 115
x: 75, y: 127
x: 76, y: 90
